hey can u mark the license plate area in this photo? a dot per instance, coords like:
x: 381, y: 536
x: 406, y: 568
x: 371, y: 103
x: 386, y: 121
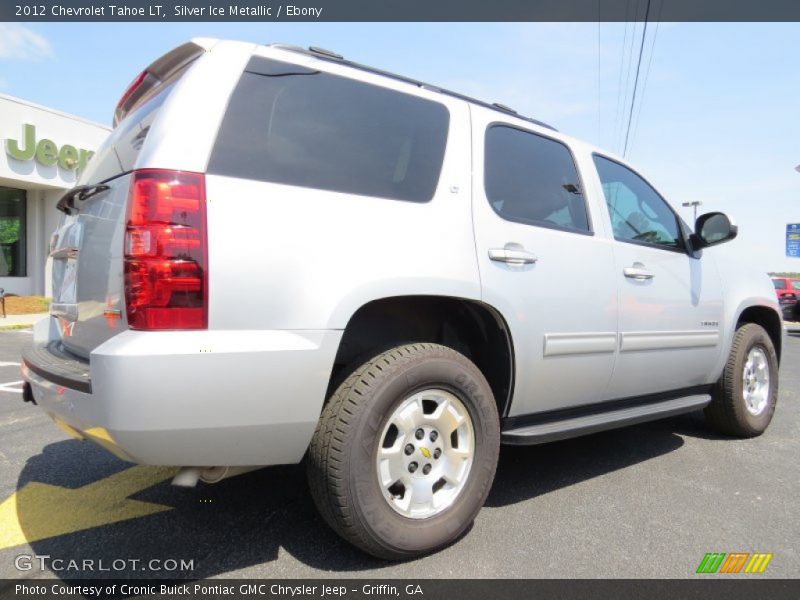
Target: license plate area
x: 66, y: 248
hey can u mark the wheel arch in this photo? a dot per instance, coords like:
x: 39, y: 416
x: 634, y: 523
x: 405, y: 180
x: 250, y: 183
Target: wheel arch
x: 767, y: 318
x: 475, y: 329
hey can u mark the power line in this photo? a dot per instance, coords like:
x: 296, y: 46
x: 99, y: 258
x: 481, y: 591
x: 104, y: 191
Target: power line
x: 599, y: 71
x: 628, y: 68
x: 636, y: 80
x: 618, y: 111
x: 635, y: 129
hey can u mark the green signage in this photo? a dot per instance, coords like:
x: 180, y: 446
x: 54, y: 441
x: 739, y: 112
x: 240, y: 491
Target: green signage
x: 46, y: 152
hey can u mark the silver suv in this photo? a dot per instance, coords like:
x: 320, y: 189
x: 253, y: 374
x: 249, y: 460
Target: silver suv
x: 279, y: 254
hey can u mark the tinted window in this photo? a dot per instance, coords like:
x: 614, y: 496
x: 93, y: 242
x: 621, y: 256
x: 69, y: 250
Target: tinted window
x: 13, y: 238
x: 779, y: 284
x: 533, y: 179
x: 119, y: 152
x: 638, y: 213
x: 291, y: 125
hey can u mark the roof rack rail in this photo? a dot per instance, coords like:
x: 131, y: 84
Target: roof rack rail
x: 323, y: 54
x: 508, y: 109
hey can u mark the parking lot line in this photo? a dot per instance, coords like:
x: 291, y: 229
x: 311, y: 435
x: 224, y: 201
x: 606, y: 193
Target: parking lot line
x: 6, y: 387
x: 40, y: 510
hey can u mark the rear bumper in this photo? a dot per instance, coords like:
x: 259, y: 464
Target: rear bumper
x: 195, y: 398
x: 51, y: 362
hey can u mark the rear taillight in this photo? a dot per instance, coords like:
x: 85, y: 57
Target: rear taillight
x: 166, y: 257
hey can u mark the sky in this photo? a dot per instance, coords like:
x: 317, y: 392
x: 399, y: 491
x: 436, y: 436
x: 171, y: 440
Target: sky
x: 716, y: 118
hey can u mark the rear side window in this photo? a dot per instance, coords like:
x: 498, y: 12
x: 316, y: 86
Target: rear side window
x: 532, y: 179
x: 292, y: 125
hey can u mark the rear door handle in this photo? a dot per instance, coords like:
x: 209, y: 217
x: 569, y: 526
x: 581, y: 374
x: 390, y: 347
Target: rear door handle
x: 512, y: 254
x: 638, y: 272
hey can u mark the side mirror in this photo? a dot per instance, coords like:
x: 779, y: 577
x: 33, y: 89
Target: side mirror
x: 713, y: 228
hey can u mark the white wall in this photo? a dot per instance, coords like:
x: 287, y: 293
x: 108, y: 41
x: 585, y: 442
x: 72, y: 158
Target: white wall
x: 50, y: 124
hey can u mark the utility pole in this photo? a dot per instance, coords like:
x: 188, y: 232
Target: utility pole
x: 696, y: 203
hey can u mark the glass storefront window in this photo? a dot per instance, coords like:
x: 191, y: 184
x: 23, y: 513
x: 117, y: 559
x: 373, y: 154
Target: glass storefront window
x: 12, y: 232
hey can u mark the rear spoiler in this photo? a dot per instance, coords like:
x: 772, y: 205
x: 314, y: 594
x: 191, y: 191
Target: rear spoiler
x: 165, y: 69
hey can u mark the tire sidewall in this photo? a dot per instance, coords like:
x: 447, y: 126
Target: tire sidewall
x: 403, y: 535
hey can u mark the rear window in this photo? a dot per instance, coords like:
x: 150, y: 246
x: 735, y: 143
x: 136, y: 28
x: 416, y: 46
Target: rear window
x: 292, y: 125
x: 119, y: 151
x: 532, y: 179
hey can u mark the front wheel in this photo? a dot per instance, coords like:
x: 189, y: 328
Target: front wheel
x: 405, y: 451
x: 744, y: 399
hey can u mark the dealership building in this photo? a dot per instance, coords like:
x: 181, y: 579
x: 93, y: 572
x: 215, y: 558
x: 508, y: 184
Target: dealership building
x: 43, y: 153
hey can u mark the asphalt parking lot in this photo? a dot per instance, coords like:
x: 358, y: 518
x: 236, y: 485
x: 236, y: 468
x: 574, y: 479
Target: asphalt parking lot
x: 646, y: 501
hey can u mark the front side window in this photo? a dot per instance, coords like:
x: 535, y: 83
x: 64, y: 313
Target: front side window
x: 638, y: 213
x: 533, y: 179
x: 12, y: 232
x: 292, y: 125
x: 780, y: 284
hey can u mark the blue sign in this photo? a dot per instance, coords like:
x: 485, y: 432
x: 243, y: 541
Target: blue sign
x: 793, y: 240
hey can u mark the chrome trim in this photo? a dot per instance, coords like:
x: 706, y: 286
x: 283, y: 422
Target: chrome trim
x: 64, y: 310
x: 69, y: 252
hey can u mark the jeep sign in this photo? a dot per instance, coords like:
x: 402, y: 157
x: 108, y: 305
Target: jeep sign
x: 46, y: 152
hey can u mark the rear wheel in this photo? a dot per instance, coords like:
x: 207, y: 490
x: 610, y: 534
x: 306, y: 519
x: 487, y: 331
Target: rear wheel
x: 744, y: 398
x: 405, y: 452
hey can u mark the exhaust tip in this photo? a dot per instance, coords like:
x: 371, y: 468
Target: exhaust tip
x: 187, y: 477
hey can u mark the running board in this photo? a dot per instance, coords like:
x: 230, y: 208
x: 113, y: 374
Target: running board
x: 539, y: 433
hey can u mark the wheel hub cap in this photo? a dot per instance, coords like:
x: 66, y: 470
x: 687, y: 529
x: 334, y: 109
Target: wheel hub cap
x: 425, y: 453
x: 755, y: 381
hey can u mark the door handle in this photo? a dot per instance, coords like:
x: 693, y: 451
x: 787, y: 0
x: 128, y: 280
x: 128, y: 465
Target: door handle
x: 512, y: 254
x: 638, y: 272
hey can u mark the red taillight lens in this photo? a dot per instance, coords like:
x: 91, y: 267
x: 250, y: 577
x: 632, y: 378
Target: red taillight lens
x: 166, y: 259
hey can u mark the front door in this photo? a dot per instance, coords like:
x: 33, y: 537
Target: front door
x: 670, y: 304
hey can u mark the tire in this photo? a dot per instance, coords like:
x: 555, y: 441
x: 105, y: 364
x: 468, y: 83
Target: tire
x: 415, y: 381
x: 729, y: 411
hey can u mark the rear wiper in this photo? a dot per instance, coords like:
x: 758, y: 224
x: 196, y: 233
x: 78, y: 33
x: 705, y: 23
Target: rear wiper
x: 80, y: 193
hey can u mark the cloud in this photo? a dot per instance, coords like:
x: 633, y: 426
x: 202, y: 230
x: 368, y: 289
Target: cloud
x: 19, y: 42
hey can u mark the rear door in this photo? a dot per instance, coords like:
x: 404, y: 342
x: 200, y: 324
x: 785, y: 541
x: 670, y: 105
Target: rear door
x: 543, y: 265
x: 670, y: 304
x: 87, y: 248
